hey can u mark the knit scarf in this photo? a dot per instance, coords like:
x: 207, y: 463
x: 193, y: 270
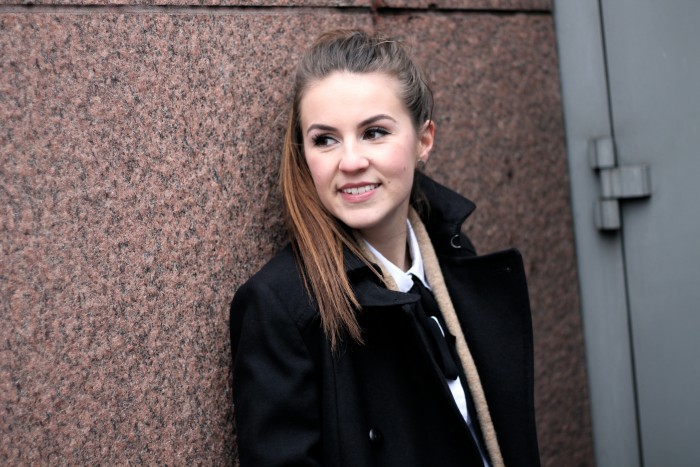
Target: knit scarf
x: 437, y: 283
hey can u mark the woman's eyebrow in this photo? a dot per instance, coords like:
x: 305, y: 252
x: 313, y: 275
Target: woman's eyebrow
x: 376, y: 118
x: 319, y: 126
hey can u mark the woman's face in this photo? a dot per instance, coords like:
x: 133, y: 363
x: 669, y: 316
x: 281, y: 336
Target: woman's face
x: 362, y: 148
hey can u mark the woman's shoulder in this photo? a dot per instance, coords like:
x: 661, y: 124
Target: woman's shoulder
x: 276, y: 287
x: 282, y: 267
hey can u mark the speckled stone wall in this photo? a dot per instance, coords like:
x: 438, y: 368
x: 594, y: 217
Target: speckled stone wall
x: 138, y: 153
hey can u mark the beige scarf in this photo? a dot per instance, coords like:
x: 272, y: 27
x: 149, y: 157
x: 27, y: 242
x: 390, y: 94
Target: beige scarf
x: 437, y: 283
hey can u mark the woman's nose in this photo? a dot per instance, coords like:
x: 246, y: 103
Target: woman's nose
x: 353, y: 159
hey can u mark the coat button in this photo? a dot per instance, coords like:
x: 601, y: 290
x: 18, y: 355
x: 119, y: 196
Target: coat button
x: 375, y: 436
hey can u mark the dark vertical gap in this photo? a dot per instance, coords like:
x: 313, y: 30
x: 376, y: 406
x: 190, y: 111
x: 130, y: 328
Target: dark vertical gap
x: 622, y: 241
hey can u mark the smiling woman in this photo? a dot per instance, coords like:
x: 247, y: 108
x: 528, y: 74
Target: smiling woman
x: 362, y: 150
x: 350, y: 345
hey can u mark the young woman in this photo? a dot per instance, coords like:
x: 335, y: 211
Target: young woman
x: 377, y: 337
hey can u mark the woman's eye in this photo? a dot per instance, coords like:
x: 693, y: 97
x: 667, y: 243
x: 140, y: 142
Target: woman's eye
x: 375, y: 133
x: 322, y: 140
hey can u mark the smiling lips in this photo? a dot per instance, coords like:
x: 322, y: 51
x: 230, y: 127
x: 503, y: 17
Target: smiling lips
x: 358, y: 190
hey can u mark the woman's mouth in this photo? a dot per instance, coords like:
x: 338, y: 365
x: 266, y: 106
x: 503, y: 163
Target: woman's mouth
x: 358, y: 190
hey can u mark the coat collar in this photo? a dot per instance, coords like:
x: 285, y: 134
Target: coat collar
x: 448, y: 211
x: 369, y: 290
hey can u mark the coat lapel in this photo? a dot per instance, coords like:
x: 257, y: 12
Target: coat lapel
x: 491, y: 300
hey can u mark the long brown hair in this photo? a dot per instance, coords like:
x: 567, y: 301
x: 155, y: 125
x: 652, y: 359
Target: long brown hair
x: 317, y: 236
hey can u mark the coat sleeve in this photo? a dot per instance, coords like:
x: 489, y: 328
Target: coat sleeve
x: 275, y: 390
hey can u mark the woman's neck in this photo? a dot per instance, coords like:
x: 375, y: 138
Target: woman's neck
x: 394, y: 248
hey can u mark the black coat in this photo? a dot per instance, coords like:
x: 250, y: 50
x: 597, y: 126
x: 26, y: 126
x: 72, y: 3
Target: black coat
x: 384, y: 403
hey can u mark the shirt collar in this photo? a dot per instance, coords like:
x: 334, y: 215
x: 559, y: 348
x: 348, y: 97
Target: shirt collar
x: 404, y: 280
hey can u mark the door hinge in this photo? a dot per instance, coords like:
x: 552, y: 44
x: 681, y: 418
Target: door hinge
x: 616, y: 182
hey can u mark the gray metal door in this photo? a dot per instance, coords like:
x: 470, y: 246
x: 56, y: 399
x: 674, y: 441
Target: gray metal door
x: 631, y: 90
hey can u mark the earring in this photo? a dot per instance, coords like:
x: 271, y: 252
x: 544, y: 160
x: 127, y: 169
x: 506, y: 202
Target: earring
x: 420, y: 165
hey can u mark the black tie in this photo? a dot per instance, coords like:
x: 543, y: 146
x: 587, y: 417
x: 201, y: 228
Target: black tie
x: 443, y: 356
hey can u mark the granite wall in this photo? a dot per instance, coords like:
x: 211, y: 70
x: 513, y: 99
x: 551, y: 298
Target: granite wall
x: 138, y: 155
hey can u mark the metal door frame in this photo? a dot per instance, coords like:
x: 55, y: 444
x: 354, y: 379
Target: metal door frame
x: 600, y: 256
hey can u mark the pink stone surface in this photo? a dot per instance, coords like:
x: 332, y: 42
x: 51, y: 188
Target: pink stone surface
x: 138, y: 161
x: 237, y: 6
x: 495, y: 5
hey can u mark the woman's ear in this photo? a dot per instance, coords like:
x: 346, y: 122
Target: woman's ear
x: 426, y: 136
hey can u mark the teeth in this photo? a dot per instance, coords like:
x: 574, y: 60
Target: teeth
x: 360, y: 189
